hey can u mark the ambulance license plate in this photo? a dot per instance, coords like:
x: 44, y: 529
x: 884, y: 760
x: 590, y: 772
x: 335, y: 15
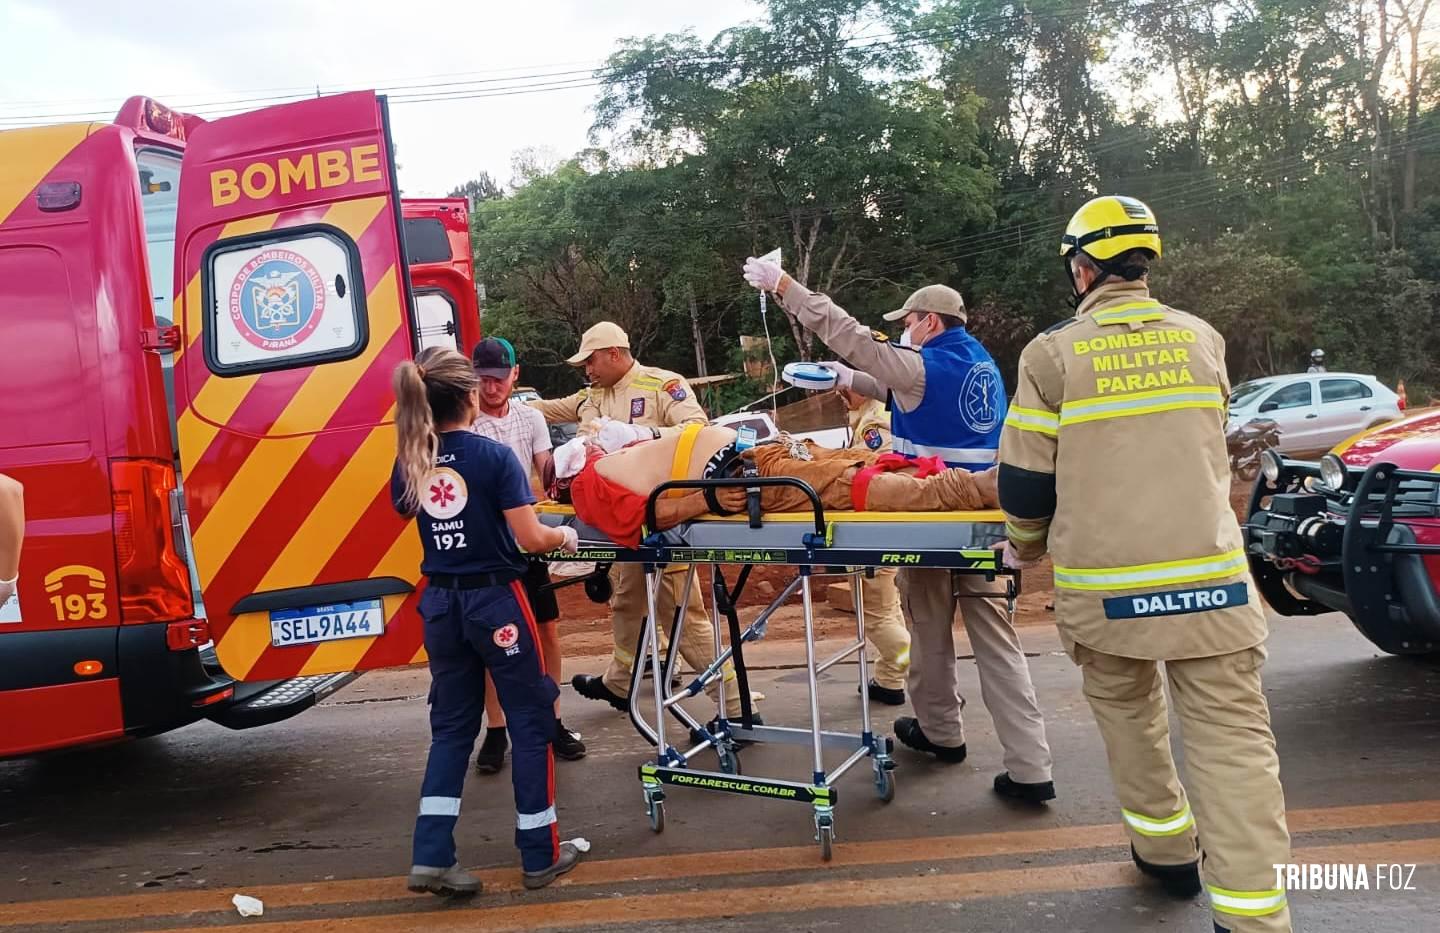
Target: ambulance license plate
x: 362, y: 619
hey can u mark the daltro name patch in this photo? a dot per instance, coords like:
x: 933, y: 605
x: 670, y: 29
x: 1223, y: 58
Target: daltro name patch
x: 1176, y: 602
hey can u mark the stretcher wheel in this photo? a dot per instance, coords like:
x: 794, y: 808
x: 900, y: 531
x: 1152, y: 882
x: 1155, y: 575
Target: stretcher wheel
x: 598, y: 588
x: 657, y: 816
x: 825, y: 832
x: 885, y: 785
x: 729, y: 759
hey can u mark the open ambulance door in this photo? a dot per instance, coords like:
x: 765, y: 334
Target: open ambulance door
x: 295, y: 312
x: 442, y: 276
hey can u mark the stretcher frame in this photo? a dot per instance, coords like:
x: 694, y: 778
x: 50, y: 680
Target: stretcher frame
x: 816, y: 547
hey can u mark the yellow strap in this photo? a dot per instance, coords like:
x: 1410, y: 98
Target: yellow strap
x: 680, y: 466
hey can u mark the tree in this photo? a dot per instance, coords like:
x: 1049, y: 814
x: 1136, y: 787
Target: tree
x: 480, y: 188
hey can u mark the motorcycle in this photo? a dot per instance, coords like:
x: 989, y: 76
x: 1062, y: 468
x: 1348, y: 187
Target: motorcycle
x: 1246, y: 442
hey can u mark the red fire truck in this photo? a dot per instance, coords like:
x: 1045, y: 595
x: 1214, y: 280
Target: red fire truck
x: 200, y: 323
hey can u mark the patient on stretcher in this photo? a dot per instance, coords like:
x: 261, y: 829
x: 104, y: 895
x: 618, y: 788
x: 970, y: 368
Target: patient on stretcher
x: 610, y: 490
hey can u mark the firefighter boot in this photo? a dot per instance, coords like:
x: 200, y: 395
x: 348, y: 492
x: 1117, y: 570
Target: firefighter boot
x: 569, y: 858
x: 445, y: 882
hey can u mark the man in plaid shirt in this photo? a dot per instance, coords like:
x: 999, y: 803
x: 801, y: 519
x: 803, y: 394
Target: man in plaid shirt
x: 523, y: 430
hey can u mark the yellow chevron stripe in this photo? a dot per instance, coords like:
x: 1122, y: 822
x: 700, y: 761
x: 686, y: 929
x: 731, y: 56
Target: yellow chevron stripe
x: 403, y: 561
x: 307, y: 412
x: 256, y: 480
x: 242, y: 227
x: 243, y: 643
x: 332, y: 519
x: 218, y: 398
x: 29, y: 155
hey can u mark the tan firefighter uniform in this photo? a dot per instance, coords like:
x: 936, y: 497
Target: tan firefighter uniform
x: 884, y: 623
x: 929, y: 598
x: 654, y: 398
x: 1113, y: 459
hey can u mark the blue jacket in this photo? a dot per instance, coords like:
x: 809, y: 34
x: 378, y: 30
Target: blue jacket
x: 959, y: 418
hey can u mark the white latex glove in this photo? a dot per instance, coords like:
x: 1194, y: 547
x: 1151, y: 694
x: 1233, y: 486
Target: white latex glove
x: 844, y: 375
x: 763, y: 275
x: 570, y: 458
x: 1010, y: 559
x: 618, y: 434
x: 572, y: 540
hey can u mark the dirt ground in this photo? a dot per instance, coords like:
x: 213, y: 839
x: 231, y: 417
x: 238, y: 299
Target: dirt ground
x: 585, y: 626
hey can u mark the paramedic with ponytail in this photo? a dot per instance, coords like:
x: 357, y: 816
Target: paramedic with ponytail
x: 474, y: 511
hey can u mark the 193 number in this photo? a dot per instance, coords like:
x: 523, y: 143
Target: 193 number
x: 449, y: 542
x: 75, y: 607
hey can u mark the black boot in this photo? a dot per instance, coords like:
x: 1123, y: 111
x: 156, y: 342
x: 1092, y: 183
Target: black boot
x: 492, y: 752
x: 593, y: 688
x: 890, y: 696
x: 567, y: 743
x: 1180, y: 881
x: 907, y: 730
x: 1038, y: 792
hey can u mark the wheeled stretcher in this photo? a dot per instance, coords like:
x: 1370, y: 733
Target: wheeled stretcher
x: 816, y: 544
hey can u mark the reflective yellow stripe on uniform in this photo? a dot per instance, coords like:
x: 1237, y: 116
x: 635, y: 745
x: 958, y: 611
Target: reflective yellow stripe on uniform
x: 1033, y: 419
x: 1019, y: 533
x: 1141, y: 403
x: 1246, y: 903
x: 1166, y: 573
x: 1149, y: 826
x: 1133, y: 312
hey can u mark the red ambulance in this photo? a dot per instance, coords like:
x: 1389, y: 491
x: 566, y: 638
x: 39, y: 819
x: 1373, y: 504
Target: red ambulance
x: 200, y: 322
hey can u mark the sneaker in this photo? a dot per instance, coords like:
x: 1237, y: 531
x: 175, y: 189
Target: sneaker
x: 907, y: 730
x: 1180, y: 881
x: 593, y: 688
x: 890, y: 696
x: 567, y: 743
x: 492, y: 752
x: 445, y: 882
x: 569, y: 858
x: 1039, y: 792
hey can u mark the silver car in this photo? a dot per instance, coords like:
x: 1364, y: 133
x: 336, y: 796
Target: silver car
x: 1315, y: 411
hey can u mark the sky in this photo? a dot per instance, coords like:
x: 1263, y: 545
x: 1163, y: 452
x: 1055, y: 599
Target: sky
x: 69, y: 60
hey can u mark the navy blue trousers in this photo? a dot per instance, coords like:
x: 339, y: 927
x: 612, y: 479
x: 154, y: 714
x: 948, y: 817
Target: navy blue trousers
x: 468, y: 632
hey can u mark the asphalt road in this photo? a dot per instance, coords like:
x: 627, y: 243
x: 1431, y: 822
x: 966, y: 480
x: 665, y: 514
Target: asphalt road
x: 313, y: 816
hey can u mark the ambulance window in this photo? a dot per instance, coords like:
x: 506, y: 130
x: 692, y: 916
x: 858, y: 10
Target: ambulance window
x: 159, y: 201
x: 159, y: 172
x: 426, y: 240
x: 285, y: 299
x: 436, y: 324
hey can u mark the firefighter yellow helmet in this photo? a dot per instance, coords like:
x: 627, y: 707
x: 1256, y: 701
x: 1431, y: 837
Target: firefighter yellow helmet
x: 1106, y: 227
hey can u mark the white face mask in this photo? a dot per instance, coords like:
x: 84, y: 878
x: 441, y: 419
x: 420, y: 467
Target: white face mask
x: 905, y: 339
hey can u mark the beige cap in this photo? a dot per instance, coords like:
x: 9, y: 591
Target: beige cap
x: 936, y: 299
x: 602, y: 336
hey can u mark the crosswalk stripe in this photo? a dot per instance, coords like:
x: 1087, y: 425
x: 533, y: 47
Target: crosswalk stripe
x: 933, y: 849
x: 752, y: 900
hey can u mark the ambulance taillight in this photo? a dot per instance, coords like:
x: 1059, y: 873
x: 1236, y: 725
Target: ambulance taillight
x: 153, y: 580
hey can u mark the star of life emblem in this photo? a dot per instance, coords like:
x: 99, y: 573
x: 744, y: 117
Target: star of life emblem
x: 507, y: 635
x: 980, y: 398
x: 443, y: 495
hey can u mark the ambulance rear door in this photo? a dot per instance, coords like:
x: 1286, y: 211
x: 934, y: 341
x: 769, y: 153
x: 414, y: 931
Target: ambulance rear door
x: 442, y: 276
x: 294, y: 311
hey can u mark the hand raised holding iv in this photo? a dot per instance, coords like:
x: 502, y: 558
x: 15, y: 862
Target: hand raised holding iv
x: 763, y: 274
